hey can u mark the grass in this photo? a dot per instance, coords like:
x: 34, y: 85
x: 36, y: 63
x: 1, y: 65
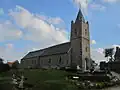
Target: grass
x: 43, y: 80
x: 5, y: 80
x: 48, y: 79
x: 44, y: 75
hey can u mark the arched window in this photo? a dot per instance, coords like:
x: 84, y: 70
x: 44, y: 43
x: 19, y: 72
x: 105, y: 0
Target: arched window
x: 49, y: 61
x: 75, y: 32
x: 86, y: 49
x: 85, y: 31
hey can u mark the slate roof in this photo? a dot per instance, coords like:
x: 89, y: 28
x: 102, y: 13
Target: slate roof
x: 57, y: 49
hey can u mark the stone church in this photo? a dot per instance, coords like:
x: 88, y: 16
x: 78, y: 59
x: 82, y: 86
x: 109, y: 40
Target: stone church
x: 73, y: 53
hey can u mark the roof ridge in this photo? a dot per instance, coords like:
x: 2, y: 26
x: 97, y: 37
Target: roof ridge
x: 50, y: 47
x: 56, y: 49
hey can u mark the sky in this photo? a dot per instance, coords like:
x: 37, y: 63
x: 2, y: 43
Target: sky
x: 28, y: 25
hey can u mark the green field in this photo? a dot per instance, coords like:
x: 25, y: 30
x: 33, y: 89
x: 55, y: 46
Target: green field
x: 41, y: 80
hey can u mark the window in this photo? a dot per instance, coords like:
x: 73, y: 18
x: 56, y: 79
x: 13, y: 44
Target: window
x: 60, y: 60
x: 32, y: 62
x: 86, y: 49
x: 35, y: 61
x: 75, y: 32
x: 80, y: 49
x: 49, y: 61
x: 67, y: 61
x: 86, y: 59
x: 85, y: 31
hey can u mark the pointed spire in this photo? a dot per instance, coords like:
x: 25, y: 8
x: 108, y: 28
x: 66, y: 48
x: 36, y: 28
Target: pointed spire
x: 80, y: 16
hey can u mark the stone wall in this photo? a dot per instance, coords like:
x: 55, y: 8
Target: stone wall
x: 52, y: 61
x: 29, y: 62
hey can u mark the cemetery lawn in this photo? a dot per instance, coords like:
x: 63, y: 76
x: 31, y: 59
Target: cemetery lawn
x: 43, y: 80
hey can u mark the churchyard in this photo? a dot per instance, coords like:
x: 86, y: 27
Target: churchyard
x: 40, y: 80
x: 49, y: 79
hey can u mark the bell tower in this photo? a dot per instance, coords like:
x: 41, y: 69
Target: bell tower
x: 80, y: 42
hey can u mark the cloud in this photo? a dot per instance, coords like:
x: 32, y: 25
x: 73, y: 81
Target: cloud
x: 51, y: 20
x: 93, y: 42
x: 111, y: 1
x: 1, y: 11
x: 56, y: 20
x: 100, y: 50
x: 97, y: 55
x: 83, y: 4
x: 9, y: 45
x: 97, y: 7
x: 8, y: 31
x: 38, y: 29
x: 114, y: 46
x: 8, y: 52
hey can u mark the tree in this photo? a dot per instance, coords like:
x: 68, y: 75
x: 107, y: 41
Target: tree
x: 109, y: 53
x: 15, y: 64
x: 4, y: 67
x: 1, y: 61
x: 117, y: 54
x: 93, y: 65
